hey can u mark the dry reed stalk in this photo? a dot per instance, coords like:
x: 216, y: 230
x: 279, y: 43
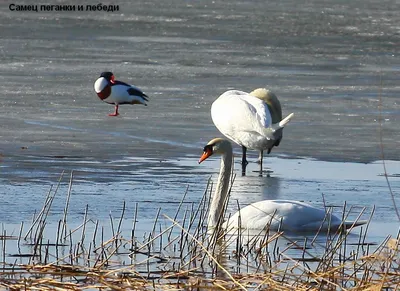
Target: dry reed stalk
x: 178, y: 208
x: 120, y: 221
x: 64, y: 219
x: 151, y: 240
x: 380, y: 104
x: 211, y: 256
x: 47, y: 204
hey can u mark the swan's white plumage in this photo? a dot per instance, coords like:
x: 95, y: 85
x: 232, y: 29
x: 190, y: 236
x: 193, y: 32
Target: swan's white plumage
x: 247, y: 119
x: 285, y: 215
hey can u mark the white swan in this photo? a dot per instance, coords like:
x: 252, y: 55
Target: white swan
x: 252, y: 120
x: 286, y: 215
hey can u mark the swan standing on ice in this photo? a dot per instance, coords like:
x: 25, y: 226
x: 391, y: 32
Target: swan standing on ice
x: 116, y: 92
x: 286, y: 215
x: 252, y: 120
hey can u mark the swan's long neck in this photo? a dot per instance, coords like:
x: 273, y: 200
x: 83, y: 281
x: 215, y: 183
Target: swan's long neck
x: 222, y: 188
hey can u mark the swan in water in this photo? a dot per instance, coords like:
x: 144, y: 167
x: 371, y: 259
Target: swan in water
x: 286, y: 215
x: 252, y: 120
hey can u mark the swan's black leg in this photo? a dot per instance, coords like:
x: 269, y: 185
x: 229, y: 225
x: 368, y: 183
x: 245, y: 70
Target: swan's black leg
x: 260, y: 160
x: 244, y: 160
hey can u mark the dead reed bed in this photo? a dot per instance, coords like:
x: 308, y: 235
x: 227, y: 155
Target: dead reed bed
x: 179, y: 253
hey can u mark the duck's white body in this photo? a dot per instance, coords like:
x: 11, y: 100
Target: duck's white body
x: 285, y: 215
x: 120, y: 94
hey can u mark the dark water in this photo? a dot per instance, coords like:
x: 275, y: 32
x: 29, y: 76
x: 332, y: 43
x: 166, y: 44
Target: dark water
x: 329, y: 62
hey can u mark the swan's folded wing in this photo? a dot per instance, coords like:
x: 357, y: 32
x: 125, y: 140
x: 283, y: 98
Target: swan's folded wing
x: 294, y: 216
x: 261, y: 115
x: 237, y: 111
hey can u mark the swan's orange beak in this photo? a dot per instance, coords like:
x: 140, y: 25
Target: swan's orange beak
x: 205, y: 155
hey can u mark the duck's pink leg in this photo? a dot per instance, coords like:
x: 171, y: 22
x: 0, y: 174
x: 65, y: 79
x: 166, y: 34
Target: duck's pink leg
x: 115, y: 111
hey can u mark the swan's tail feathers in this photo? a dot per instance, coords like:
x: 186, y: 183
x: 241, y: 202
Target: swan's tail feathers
x: 285, y: 120
x: 351, y: 224
x: 282, y: 123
